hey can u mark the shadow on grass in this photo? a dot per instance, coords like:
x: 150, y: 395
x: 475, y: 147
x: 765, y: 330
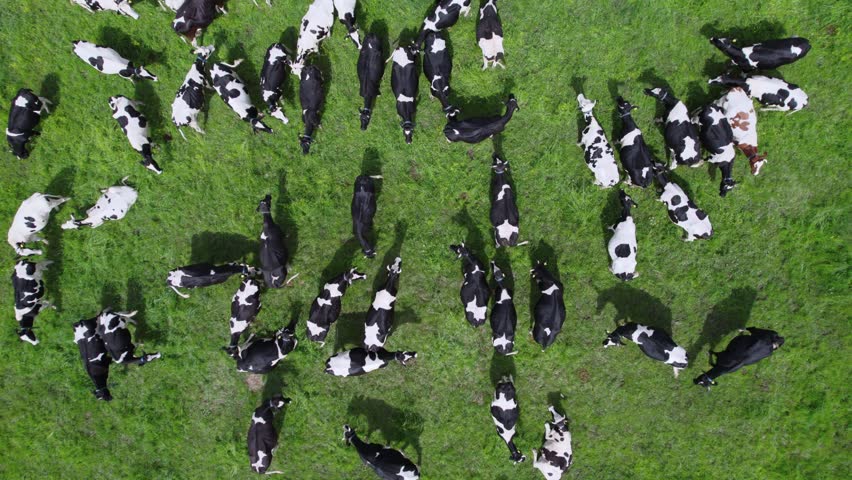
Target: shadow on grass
x: 62, y: 185
x: 473, y: 240
x: 634, y: 305
x: 400, y: 428
x: 217, y: 247
x: 284, y: 217
x: 501, y: 366
x: 727, y: 316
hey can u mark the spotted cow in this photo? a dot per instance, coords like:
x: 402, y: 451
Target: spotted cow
x: 371, y: 67
x: 204, y: 275
x: 475, y: 292
x: 315, y: 27
x: 388, y: 463
x: 189, y: 99
x: 680, y: 133
x: 717, y: 137
x: 135, y: 127
x: 740, y: 113
x: 262, y: 438
x: 597, y: 151
x: 379, y: 320
x: 504, y: 318
x: 556, y: 455
x: 622, y: 247
x: 312, y: 98
x: 273, y: 251
x: 113, y: 204
x: 345, y: 10
x: 233, y: 91
x: 634, y: 153
x: 112, y: 328
x: 653, y: 342
x: 549, y: 312
x: 121, y: 7
x: 404, y: 79
x: 245, y: 305
x: 28, y: 287
x: 326, y: 307
x: 765, y: 55
x: 272, y: 76
x: 489, y: 35
x: 742, y: 351
x: 359, y: 361
x: 773, y: 93
x: 24, y: 115
x: 94, y: 355
x: 505, y: 413
x: 445, y: 14
x: 108, y: 61
x: 30, y: 219
x: 504, y: 210
x: 262, y: 355
x: 438, y: 67
x: 193, y: 16
x: 477, y: 129
x: 682, y: 211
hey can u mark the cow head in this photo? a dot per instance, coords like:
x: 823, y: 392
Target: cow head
x: 624, y: 107
x: 586, y: 105
x: 408, y: 131
x: 777, y: 341
x: 305, y: 141
x: 278, y: 401
x: 19, y: 144
x: 704, y: 380
x: 662, y: 94
x: 366, y: 115
x: 612, y: 339
x: 726, y: 186
x: 203, y: 52
x: 102, y: 394
x: 728, y: 80
x: 113, y: 103
x: 498, y: 164
x: 541, y: 275
x: 348, y: 434
x: 404, y: 357
x: 142, y: 73
x: 726, y: 45
x: 265, y: 205
x: 460, y: 250
x: 297, y: 65
x: 353, y: 275
x: 258, y: 126
x: 626, y: 200
x: 496, y: 273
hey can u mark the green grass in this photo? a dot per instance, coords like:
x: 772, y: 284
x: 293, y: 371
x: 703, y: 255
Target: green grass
x: 778, y: 259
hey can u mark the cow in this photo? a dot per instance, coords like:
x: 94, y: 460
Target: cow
x: 272, y: 76
x: 404, y: 78
x: 233, y: 91
x: 24, y: 115
x: 680, y: 133
x: 171, y: 4
x: 121, y: 7
x: 549, y: 313
x: 28, y: 286
x: 262, y: 355
x: 189, y: 99
x: 474, y: 292
x: 654, y: 342
x: 262, y: 438
x: 489, y: 35
x: 108, y: 61
x: 766, y: 55
x: 682, y: 210
x: 774, y: 94
x: 346, y: 14
x: 245, y: 305
x: 444, y: 15
x: 314, y: 28
x: 94, y: 355
x: 195, y: 15
x: 273, y: 251
x: 477, y: 129
x: 113, y: 204
x: 504, y: 210
x: 135, y: 127
x: 389, y: 464
x: 505, y: 413
x: 622, y: 247
x: 717, y: 138
x: 556, y: 456
x: 204, y: 275
x: 312, y: 97
x: 742, y: 351
x: 112, y: 328
x: 363, y: 209
x: 379, y: 321
x: 359, y: 361
x: 634, y: 153
x: 504, y: 318
x: 326, y: 307
x: 371, y: 67
x: 438, y: 67
x: 740, y: 113
x: 597, y: 151
x: 30, y: 219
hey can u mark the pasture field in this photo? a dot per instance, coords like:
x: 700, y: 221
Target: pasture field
x: 779, y: 257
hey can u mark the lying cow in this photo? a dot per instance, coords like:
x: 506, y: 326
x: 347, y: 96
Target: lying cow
x: 653, y: 342
x: 345, y: 10
x: 505, y: 413
x: 112, y: 328
x: 385, y: 461
x: 363, y: 210
x: 549, y: 313
x: 272, y: 76
x: 556, y: 455
x: 262, y: 438
x: 326, y: 307
x: 94, y: 355
x: 24, y: 115
x: 773, y: 93
x: 315, y: 27
x: 622, y: 247
x: 135, y: 128
x: 596, y: 148
x: 477, y: 129
x: 195, y: 15
x: 262, y: 355
x: 445, y: 15
x: 474, y: 292
x: 718, y: 141
x: 108, y: 61
x: 489, y: 35
x: 371, y: 67
x: 273, y: 251
x: 742, y: 351
x: 634, y: 153
x: 739, y: 110
x: 766, y: 55
x: 121, y: 7
x: 312, y: 97
x: 380, y: 315
x: 113, y: 204
x: 245, y: 305
x: 204, y: 275
x: 30, y: 219
x: 28, y: 286
x: 404, y: 78
x: 504, y: 318
x: 438, y: 67
x: 233, y: 91
x: 680, y: 133
x: 358, y: 361
x: 682, y: 211
x: 189, y: 99
x: 504, y: 210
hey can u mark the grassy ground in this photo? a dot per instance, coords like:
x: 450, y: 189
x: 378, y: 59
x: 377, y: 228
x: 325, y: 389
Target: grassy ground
x: 778, y: 259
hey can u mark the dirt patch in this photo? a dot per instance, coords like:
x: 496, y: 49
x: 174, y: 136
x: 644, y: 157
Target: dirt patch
x: 254, y: 382
x: 584, y: 375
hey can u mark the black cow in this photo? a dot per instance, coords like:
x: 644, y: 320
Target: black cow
x: 477, y: 129
x: 245, y: 305
x: 489, y: 35
x: 635, y: 156
x: 95, y: 357
x: 112, y: 328
x: 505, y: 413
x: 273, y: 252
x: 764, y: 55
x: 189, y: 99
x: 262, y: 355
x: 404, y: 78
x: 380, y: 315
x: 204, y: 275
x: 28, y: 286
x: 262, y: 438
x: 438, y: 68
x: 389, y: 464
x: 24, y: 115
x: 680, y: 133
x: 363, y: 209
x: 717, y: 137
x: 474, y: 292
x: 311, y: 96
x: 653, y: 342
x: 371, y: 67
x: 358, y: 361
x: 195, y: 15
x: 504, y: 210
x: 742, y: 351
x: 326, y: 307
x: 549, y: 314
x: 504, y: 318
x: 272, y: 76
x: 445, y: 15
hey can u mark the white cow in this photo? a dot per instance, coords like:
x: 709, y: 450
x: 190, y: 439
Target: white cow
x: 112, y: 205
x: 122, y: 7
x: 315, y: 27
x: 556, y: 455
x: 30, y: 219
x: 108, y: 61
x: 596, y: 148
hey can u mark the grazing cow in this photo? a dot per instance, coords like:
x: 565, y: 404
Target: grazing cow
x: 135, y: 128
x: 233, y: 91
x: 272, y: 76
x: 404, y: 78
x: 371, y: 67
x: 556, y: 456
x: 764, y: 55
x: 774, y: 94
x: 95, y: 356
x: 326, y: 307
x: 438, y: 67
x: 445, y: 15
x: 742, y: 351
x: 315, y: 27
x: 273, y: 252
x: 204, y: 275
x: 477, y: 129
x: 24, y: 114
x: 195, y: 15
x: 189, y: 99
x: 346, y: 14
x: 635, y: 157
x: 261, y: 356
x: 107, y: 60
x: 489, y: 35
x: 739, y: 110
x: 312, y: 97
x: 389, y: 464
x: 363, y: 209
x: 718, y: 141
x: 504, y: 210
x: 121, y: 7
x: 596, y: 148
x: 113, y: 204
x: 262, y: 437
x: 680, y: 133
x: 245, y: 305
x: 505, y: 413
x: 682, y: 210
x: 653, y: 342
x: 380, y: 315
x: 112, y: 328
x: 30, y: 219
x: 28, y: 285
x: 549, y: 314
x: 504, y: 318
x: 474, y: 292
x: 622, y: 246
x: 358, y: 361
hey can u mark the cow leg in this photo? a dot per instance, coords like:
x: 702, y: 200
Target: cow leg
x: 182, y: 295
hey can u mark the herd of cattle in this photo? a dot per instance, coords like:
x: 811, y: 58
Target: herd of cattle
x: 718, y: 128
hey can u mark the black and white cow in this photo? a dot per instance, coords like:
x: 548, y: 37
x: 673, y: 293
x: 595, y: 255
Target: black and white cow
x: 107, y: 60
x: 113, y: 204
x: 312, y: 97
x: 474, y: 292
x: 404, y: 79
x: 371, y: 67
x: 314, y: 28
x: 262, y: 355
x: 24, y: 115
x: 622, y: 247
x: 597, y: 151
x: 489, y: 35
x: 233, y: 91
x: 262, y: 438
x: 379, y: 319
x: 717, y: 137
x: 195, y: 15
x: 189, y: 99
x: 245, y: 305
x: 363, y: 209
x: 171, y: 4
x: 94, y: 355
x: 389, y: 464
x: 135, y: 127
x: 345, y: 10
x: 122, y: 7
x: 556, y: 455
x: 477, y: 129
x: 549, y: 313
x: 504, y: 210
x: 326, y: 307
x: 445, y: 15
x: 505, y: 413
x: 112, y: 328
x: 739, y: 110
x: 773, y: 93
x: 682, y: 210
x: 30, y: 219
x: 204, y: 275
x: 358, y: 361
x: 273, y: 251
x: 765, y: 55
x: 504, y: 318
x: 634, y: 153
x: 680, y: 133
x: 438, y: 67
x: 653, y: 342
x: 28, y: 285
x: 272, y: 76
x: 742, y: 351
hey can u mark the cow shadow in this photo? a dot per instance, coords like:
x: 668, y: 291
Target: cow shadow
x: 130, y: 48
x: 289, y: 38
x: 283, y: 215
x: 492, y: 106
x: 394, y: 251
x: 610, y: 216
x: 62, y: 185
x: 341, y: 261
x: 403, y: 317
x: 371, y: 164
x: 473, y: 239
x: 153, y: 111
x: 217, y: 247
x: 545, y: 253
x: 349, y: 330
x: 578, y: 83
x: 274, y: 380
x: 745, y: 35
x: 634, y: 305
x: 555, y: 399
x: 730, y: 314
x: 110, y: 297
x: 247, y: 70
x: 652, y: 80
x: 380, y: 29
x: 697, y: 97
x: 501, y: 366
x: 614, y: 88
x: 400, y: 428
x: 50, y: 90
x: 136, y: 301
